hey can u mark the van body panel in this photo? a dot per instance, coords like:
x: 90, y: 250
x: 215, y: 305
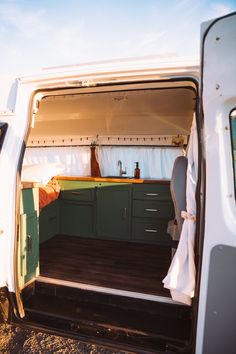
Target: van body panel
x: 218, y: 100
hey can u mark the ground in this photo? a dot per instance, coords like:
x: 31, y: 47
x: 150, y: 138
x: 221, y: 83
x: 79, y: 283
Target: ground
x: 18, y: 340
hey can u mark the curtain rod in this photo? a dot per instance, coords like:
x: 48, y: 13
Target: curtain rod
x: 146, y: 146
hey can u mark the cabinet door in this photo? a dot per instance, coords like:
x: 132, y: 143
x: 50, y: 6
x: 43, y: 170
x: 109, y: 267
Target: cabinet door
x: 29, y: 245
x: 114, y: 205
x: 49, y: 221
x: 77, y: 219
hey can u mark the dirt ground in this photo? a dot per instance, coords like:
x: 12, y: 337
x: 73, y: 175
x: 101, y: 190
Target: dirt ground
x: 20, y: 341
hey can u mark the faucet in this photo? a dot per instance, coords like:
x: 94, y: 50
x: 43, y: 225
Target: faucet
x: 121, y: 172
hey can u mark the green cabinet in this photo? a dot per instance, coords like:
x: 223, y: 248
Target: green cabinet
x: 29, y: 237
x: 114, y: 211
x: 137, y: 212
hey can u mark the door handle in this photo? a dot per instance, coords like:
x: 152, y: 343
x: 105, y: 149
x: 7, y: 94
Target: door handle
x: 29, y: 243
x: 124, y: 213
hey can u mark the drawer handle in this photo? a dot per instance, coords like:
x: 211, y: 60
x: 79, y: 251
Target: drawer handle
x: 76, y: 193
x: 150, y: 230
x: 152, y: 210
x: 152, y: 194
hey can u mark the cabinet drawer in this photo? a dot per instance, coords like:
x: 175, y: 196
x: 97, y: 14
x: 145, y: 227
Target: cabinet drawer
x: 151, y: 192
x: 149, y: 231
x: 152, y: 209
x: 85, y: 195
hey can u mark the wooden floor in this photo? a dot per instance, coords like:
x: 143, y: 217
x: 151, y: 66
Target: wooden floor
x: 114, y: 264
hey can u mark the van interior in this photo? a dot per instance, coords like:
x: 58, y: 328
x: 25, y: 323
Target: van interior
x: 96, y: 242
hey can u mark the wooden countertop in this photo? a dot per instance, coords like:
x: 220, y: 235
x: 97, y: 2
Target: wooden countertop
x: 28, y: 184
x: 113, y: 179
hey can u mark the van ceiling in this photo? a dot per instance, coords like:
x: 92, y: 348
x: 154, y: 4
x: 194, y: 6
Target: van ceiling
x: 136, y: 112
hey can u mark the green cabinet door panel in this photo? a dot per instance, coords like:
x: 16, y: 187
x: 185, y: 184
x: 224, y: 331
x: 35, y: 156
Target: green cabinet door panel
x: 29, y: 200
x: 49, y: 221
x: 114, y: 212
x: 29, y: 245
x: 77, y: 219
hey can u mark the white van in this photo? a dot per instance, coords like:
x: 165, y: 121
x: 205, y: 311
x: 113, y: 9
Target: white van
x: 108, y: 233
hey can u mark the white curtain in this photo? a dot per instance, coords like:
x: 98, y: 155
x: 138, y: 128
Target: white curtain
x: 75, y: 160
x: 181, y: 275
x: 154, y: 162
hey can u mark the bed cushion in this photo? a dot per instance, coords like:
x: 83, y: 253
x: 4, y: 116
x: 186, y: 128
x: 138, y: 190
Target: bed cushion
x: 48, y: 193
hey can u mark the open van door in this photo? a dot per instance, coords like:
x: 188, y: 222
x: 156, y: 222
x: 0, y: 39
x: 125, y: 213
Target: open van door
x: 4, y: 305
x: 217, y: 310
x: 14, y: 107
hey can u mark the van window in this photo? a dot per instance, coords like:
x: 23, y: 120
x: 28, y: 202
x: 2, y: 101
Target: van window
x: 3, y: 130
x: 233, y: 140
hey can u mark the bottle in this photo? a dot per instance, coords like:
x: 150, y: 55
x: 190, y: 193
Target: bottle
x: 137, y: 171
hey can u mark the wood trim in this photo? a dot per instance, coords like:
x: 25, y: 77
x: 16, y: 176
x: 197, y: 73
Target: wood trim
x: 105, y: 290
x: 118, y: 180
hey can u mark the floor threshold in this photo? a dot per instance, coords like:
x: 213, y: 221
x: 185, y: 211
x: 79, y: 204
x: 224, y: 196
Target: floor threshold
x: 106, y: 290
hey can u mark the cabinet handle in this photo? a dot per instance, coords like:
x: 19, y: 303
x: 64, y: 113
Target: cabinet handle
x: 150, y: 230
x: 152, y: 194
x: 76, y: 193
x: 29, y: 243
x: 152, y: 210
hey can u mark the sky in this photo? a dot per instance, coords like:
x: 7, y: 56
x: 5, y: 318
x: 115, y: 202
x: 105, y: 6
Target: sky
x: 46, y: 33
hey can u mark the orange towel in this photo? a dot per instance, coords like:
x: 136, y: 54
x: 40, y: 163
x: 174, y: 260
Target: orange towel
x: 48, y: 193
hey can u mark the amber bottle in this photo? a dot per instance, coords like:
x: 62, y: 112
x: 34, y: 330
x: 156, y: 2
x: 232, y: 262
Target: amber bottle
x: 137, y: 171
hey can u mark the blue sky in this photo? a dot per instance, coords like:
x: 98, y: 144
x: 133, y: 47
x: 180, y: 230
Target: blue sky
x: 37, y: 34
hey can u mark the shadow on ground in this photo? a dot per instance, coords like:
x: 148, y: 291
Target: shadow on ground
x: 21, y: 341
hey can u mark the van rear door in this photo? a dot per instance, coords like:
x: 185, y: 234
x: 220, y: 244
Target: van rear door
x: 14, y: 108
x: 3, y: 300
x: 217, y: 310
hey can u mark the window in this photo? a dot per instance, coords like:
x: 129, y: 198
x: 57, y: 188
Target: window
x: 233, y: 140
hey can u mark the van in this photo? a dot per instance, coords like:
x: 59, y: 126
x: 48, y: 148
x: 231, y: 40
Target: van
x: 142, y: 261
